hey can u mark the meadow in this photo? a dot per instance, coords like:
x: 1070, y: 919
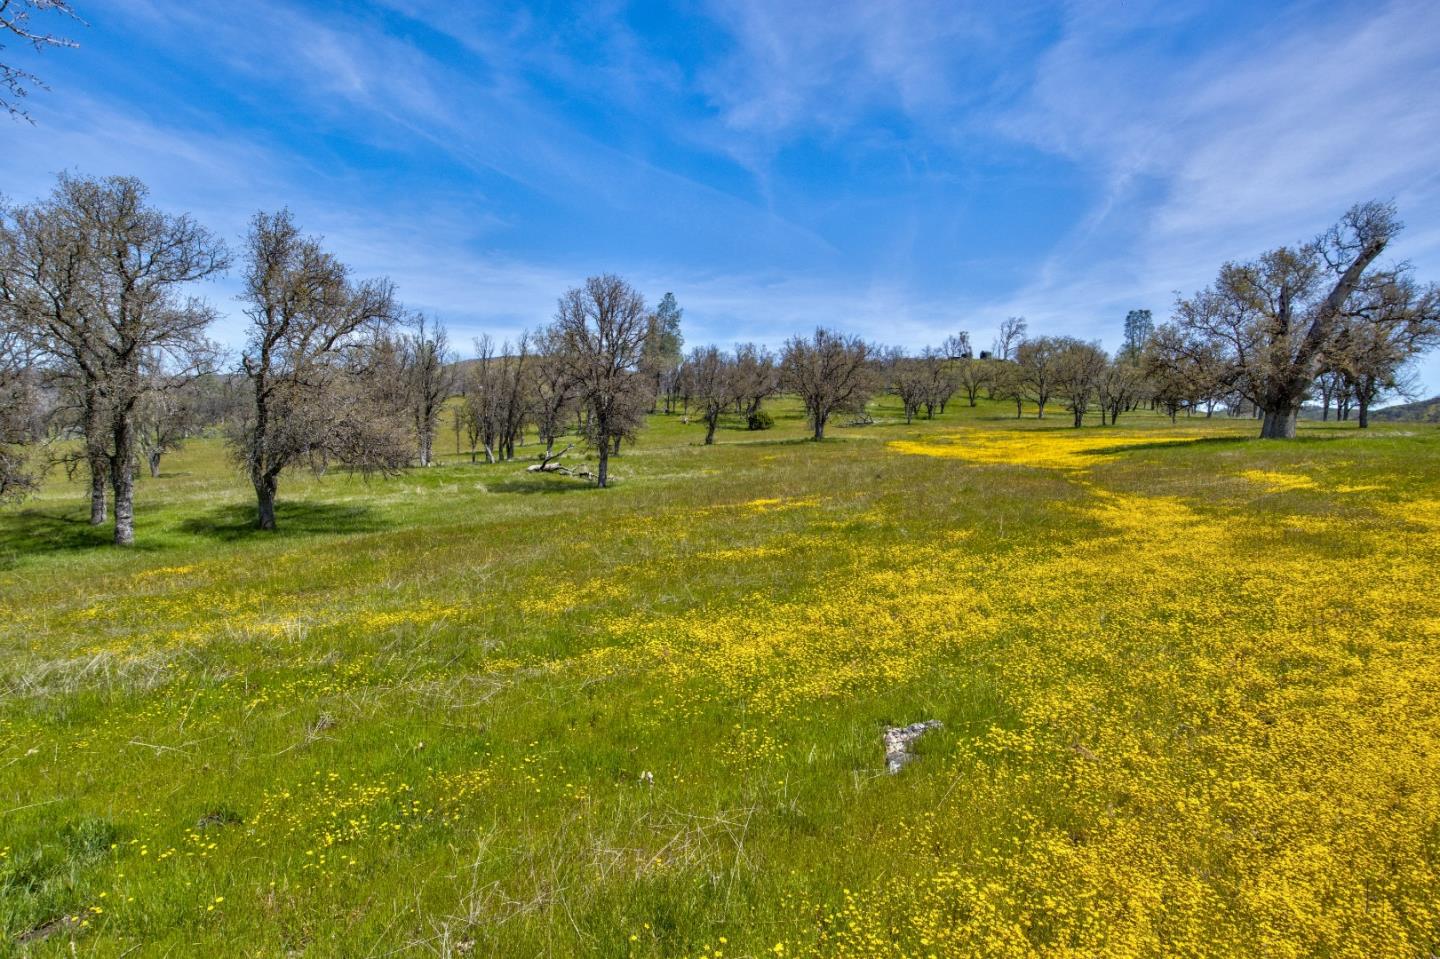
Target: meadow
x: 1189, y: 681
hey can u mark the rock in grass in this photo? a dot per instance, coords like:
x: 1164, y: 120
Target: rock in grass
x: 897, y: 743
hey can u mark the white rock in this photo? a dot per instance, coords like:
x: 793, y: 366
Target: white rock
x: 897, y: 741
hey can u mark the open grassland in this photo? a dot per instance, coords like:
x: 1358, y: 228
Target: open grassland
x: 1190, y: 684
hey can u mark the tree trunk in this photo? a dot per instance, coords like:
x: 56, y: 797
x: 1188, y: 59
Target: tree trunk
x: 99, y: 477
x: 1079, y: 417
x: 819, y: 428
x: 265, y: 489
x: 154, y: 460
x: 1363, y: 408
x: 122, y: 487
x: 602, y: 472
x: 710, y: 422
x: 122, y: 480
x: 1279, y: 424
x: 95, y: 428
x: 616, y: 450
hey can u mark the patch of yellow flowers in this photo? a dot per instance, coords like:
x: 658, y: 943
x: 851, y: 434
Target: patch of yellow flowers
x: 1226, y: 737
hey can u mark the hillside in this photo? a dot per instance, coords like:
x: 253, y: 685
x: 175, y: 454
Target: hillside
x: 1420, y: 411
x: 1187, y: 681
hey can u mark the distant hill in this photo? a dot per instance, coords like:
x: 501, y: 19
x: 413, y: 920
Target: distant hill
x: 1421, y: 411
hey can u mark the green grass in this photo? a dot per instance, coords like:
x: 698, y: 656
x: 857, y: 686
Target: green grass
x: 419, y: 718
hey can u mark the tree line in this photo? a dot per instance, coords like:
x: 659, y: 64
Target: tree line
x: 105, y: 359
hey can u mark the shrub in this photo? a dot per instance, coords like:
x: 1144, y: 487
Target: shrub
x: 759, y: 420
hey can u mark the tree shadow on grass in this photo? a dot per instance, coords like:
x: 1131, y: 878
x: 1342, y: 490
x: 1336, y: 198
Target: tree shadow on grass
x: 32, y: 531
x: 806, y: 440
x: 1317, y: 436
x: 1205, y: 441
x: 235, y: 522
x: 529, y: 483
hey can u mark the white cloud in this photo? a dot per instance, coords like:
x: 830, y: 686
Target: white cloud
x: 823, y: 65
x: 1243, y: 149
x: 1192, y: 159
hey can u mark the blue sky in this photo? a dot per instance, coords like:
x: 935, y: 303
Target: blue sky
x: 898, y: 170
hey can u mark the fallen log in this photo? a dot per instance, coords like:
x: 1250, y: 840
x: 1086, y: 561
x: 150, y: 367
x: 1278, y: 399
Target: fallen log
x: 549, y: 463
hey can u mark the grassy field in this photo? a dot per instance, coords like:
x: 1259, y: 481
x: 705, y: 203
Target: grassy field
x: 1190, y: 684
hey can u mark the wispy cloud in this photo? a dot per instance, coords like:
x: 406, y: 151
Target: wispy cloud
x: 1239, y: 149
x: 808, y: 67
x: 899, y: 170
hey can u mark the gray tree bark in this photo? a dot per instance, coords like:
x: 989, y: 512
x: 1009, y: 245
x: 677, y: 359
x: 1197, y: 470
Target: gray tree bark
x: 99, y: 477
x: 122, y: 483
x: 1279, y: 424
x: 265, y: 489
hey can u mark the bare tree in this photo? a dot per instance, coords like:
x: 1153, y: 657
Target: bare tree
x: 1011, y: 335
x: 1391, y: 322
x: 1181, y: 366
x: 429, y: 365
x: 498, y: 399
x: 1273, y: 319
x: 1331, y: 383
x: 957, y: 346
x: 482, y: 400
x: 1038, y: 361
x: 910, y: 381
x: 756, y: 377
x: 144, y: 258
x: 679, y: 387
x: 973, y: 375
x: 1079, y: 369
x: 1119, y: 386
x: 1007, y: 382
x: 309, y: 359
x: 601, y: 329
x: 15, y: 21
x: 99, y: 274
x: 830, y: 372
x: 941, y: 376
x: 716, y: 387
x: 168, y: 414
x: 46, y: 278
